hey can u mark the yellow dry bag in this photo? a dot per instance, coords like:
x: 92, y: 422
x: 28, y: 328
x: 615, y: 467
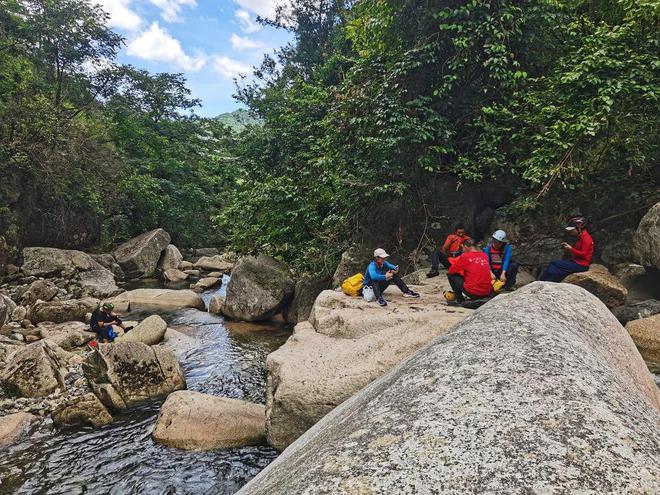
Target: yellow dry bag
x: 352, y: 286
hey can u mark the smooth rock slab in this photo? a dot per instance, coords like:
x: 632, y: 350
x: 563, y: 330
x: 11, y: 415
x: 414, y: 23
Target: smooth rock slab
x: 15, y: 426
x: 160, y: 298
x: 62, y: 311
x: 68, y: 335
x: 601, y: 283
x: 149, y: 331
x: 646, y: 336
x: 195, y: 421
x: 540, y: 391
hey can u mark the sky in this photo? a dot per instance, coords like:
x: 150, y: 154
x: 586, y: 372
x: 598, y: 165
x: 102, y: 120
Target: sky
x: 210, y: 41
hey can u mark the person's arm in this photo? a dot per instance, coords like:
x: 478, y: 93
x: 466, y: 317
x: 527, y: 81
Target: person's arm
x: 580, y: 248
x: 390, y: 266
x: 374, y: 275
x: 456, y: 266
x: 445, y: 247
x: 507, y: 258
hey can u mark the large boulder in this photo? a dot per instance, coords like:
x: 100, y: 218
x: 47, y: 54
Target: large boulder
x: 217, y: 263
x: 8, y: 346
x: 86, y: 409
x: 160, y: 298
x: 196, y: 421
x: 259, y: 288
x: 206, y: 283
x: 46, y: 261
x: 108, y: 261
x: 600, y: 282
x: 15, y: 426
x: 171, y: 258
x: 304, y: 295
x: 628, y: 273
x: 646, y: 240
x: 139, y: 256
x: 646, y: 336
x: 98, y: 283
x: 174, y: 275
x: 38, y: 290
x: 353, y: 260
x: 35, y: 370
x: 536, y: 252
x: 540, y: 391
x: 62, y: 311
x: 149, y: 331
x: 636, y: 311
x: 124, y: 374
x: 68, y: 335
x: 346, y: 344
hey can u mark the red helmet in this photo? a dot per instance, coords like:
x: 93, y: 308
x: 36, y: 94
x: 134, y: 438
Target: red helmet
x: 578, y: 222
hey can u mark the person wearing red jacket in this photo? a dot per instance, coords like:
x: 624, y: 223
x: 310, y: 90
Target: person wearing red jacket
x: 582, y: 252
x: 450, y: 250
x: 469, y: 274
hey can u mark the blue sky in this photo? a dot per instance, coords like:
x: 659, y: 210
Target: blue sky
x: 210, y: 41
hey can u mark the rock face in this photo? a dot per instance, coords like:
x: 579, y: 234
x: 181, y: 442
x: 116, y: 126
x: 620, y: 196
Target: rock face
x: 354, y: 260
x: 195, y: 421
x: 636, y: 311
x: 627, y: 273
x: 215, y: 305
x: 259, y: 288
x: 304, y: 295
x: 139, y: 256
x: 540, y: 391
x: 160, y: 298
x: 600, y: 282
x: 67, y: 335
x: 15, y: 426
x: 45, y: 261
x: 346, y: 344
x: 86, y: 409
x: 98, y: 283
x: 127, y: 373
x: 217, y: 263
x: 647, y: 238
x: 34, y: 370
x: 62, y: 311
x: 171, y: 258
x: 109, y: 262
x: 150, y: 331
x: 646, y: 336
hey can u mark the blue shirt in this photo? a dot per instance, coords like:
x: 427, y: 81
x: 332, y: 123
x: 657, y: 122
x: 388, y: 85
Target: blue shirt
x: 376, y: 274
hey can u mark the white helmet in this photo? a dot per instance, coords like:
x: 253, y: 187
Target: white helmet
x: 500, y: 235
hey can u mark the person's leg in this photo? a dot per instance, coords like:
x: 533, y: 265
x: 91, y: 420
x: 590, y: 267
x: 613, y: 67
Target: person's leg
x: 511, y: 274
x: 443, y: 260
x: 396, y: 280
x: 456, y: 282
x: 435, y: 260
x: 558, y: 270
x: 379, y: 288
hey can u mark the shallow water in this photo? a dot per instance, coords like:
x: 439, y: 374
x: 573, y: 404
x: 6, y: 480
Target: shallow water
x: 122, y: 459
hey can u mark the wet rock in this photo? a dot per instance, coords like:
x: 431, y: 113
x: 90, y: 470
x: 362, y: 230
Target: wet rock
x: 205, y: 283
x: 174, y: 275
x: 171, y: 258
x: 46, y: 261
x: 39, y: 290
x: 600, y: 282
x: 354, y: 260
x: 124, y: 374
x: 62, y: 311
x: 645, y: 333
x: 215, y: 305
x: 627, y: 273
x: 218, y: 263
x: 34, y: 370
x: 139, y: 256
x: 160, y: 298
x: 68, y: 335
x: 260, y: 287
x: 150, y: 331
x: 304, y: 295
x: 195, y: 421
x: 636, y: 311
x: 86, y: 409
x: 646, y: 240
x: 14, y: 427
x: 540, y: 391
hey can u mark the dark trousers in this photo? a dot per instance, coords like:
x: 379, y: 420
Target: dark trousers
x: 379, y: 287
x: 439, y: 258
x: 558, y: 270
x: 457, y: 283
x: 511, y: 274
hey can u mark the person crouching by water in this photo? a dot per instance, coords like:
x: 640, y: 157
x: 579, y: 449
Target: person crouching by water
x: 582, y: 252
x: 502, y: 267
x: 469, y: 274
x: 451, y: 249
x: 381, y: 273
x: 102, y: 321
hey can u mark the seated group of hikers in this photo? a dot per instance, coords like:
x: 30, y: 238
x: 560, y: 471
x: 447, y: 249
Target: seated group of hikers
x: 478, y: 274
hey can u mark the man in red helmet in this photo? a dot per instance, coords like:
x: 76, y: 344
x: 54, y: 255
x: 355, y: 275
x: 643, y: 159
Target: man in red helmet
x: 582, y: 252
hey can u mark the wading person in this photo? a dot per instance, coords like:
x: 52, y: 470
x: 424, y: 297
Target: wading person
x: 451, y: 249
x: 381, y: 273
x: 102, y: 322
x: 582, y: 252
x: 469, y: 274
x: 502, y: 267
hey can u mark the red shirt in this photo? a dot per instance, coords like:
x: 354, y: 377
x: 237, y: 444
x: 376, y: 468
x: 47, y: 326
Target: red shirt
x: 474, y: 266
x: 454, y: 243
x: 583, y: 249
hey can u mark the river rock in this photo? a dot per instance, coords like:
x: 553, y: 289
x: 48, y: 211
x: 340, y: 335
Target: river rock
x: 38, y: 290
x: 150, y: 331
x: 216, y: 263
x: 193, y: 273
x: 627, y: 273
x: 174, y: 275
x: 600, y: 282
x: 540, y: 391
x: 206, y: 283
x: 8, y: 346
x: 86, y: 409
x: 160, y: 298
x: 7, y: 307
x: 346, y: 344
x: 195, y: 421
x: 124, y: 374
x: 208, y: 251
x: 353, y: 260
x: 62, y: 311
x: 215, y: 305
x: 19, y: 313
x: 98, y: 283
x: 646, y: 240
x: 109, y: 262
x: 645, y: 333
x: 139, y: 256
x: 34, y: 370
x: 304, y: 295
x: 636, y: 311
x: 185, y: 265
x: 259, y: 288
x: 68, y: 335
x: 46, y: 261
x: 171, y: 258
x: 14, y: 427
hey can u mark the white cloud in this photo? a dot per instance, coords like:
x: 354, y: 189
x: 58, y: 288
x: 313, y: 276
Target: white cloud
x: 244, y: 43
x: 172, y: 8
x: 121, y: 15
x: 230, y: 68
x: 158, y: 45
x: 264, y: 8
x: 246, y: 22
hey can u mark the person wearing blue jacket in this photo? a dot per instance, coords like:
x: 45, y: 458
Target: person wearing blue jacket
x: 502, y: 267
x: 381, y: 273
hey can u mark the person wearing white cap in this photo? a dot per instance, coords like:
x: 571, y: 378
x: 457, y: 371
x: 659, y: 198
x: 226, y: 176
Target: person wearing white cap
x: 582, y: 252
x: 381, y: 273
x: 502, y: 267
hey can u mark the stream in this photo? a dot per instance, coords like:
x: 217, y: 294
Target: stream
x: 223, y: 359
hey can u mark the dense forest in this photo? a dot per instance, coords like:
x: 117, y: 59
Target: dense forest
x: 395, y: 116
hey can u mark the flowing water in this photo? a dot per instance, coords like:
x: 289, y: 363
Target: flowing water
x: 221, y: 359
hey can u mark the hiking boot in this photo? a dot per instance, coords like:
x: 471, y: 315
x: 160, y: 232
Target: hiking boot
x: 382, y: 302
x: 411, y: 293
x: 432, y: 273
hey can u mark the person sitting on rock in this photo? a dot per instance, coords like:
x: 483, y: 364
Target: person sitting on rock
x: 451, y: 249
x: 502, y: 267
x: 380, y: 274
x: 469, y: 274
x: 102, y: 321
x: 582, y: 252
